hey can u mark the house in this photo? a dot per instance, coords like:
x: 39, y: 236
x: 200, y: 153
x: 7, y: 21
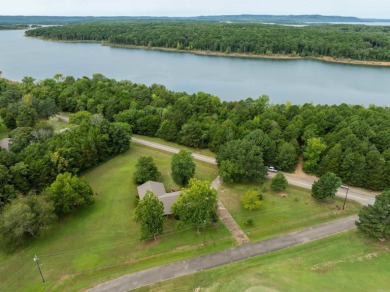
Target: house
x: 5, y: 143
x: 159, y: 190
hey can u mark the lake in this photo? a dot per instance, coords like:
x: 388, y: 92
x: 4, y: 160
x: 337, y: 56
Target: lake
x: 298, y: 81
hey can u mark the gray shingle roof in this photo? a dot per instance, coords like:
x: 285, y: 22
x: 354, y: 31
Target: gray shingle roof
x: 155, y: 187
x: 5, y: 143
x: 168, y: 200
x: 158, y: 189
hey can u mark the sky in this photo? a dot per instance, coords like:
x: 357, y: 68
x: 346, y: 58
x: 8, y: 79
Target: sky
x: 358, y: 8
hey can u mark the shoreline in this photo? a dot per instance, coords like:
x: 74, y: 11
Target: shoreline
x: 254, y: 56
x: 326, y: 59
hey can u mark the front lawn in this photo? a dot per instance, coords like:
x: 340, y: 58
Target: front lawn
x: 342, y: 262
x: 283, y: 212
x: 101, y: 242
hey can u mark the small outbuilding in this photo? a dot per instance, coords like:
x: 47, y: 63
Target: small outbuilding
x: 5, y: 143
x: 159, y: 190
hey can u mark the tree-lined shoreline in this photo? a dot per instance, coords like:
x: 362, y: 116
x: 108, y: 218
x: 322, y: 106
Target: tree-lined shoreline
x: 352, y: 44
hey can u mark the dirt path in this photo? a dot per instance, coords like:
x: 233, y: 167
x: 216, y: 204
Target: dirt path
x: 227, y: 218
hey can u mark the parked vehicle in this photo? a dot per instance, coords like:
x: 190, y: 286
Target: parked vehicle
x: 272, y: 169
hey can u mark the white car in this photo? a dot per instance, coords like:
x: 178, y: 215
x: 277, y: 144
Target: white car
x: 272, y: 169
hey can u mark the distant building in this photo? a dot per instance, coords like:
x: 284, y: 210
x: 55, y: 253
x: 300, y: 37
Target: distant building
x: 159, y: 190
x: 5, y: 143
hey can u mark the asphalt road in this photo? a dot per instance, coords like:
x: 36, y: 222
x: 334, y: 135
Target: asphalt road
x: 362, y: 196
x: 182, y: 268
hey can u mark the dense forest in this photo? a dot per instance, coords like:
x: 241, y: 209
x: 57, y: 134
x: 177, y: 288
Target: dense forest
x: 352, y: 141
x: 357, y: 42
x: 14, y: 26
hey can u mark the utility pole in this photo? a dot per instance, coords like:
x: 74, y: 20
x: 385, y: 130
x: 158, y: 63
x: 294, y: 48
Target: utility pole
x: 346, y: 194
x: 36, y: 259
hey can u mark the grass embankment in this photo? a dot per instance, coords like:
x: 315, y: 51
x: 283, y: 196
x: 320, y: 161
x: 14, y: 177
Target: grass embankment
x: 3, y: 130
x: 343, y: 262
x: 206, y: 152
x: 283, y: 212
x: 101, y: 242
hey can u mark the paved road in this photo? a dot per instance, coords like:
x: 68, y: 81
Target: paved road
x: 362, y: 196
x: 182, y: 268
x: 170, y: 149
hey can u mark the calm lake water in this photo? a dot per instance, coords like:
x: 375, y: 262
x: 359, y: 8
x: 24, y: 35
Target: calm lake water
x: 298, y: 81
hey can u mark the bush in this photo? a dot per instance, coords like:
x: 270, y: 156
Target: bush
x: 249, y: 222
x: 279, y: 182
x: 251, y: 201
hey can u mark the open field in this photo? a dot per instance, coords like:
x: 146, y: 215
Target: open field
x: 57, y: 124
x: 101, y: 242
x: 4, y: 134
x: 343, y: 262
x: 286, y: 212
x: 206, y: 152
x: 3, y: 130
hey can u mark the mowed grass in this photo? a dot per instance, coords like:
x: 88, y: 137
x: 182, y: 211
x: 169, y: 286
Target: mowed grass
x: 283, y: 212
x: 343, y: 262
x: 57, y: 124
x: 3, y: 130
x: 206, y: 152
x: 101, y: 242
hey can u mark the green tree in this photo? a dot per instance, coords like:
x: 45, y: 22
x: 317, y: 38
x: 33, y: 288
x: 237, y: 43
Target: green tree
x: 120, y: 134
x: 263, y: 141
x: 312, y: 154
x: 331, y: 161
x: 241, y: 161
x: 279, y: 182
x: 374, y: 170
x: 26, y: 217
x: 69, y: 193
x: 167, y: 131
x: 197, y: 204
x: 251, y: 201
x: 149, y: 212
x: 326, y: 186
x: 182, y: 167
x: 21, y: 138
x: 79, y: 117
x: 353, y: 168
x: 27, y: 116
x: 287, y: 157
x: 374, y: 220
x: 145, y: 170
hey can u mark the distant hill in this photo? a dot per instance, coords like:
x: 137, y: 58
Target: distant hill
x: 283, y: 19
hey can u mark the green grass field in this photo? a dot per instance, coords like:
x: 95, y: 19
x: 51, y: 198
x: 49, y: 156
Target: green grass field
x: 206, y: 152
x: 101, y: 242
x: 3, y: 130
x: 343, y: 262
x: 57, y: 124
x: 291, y: 210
